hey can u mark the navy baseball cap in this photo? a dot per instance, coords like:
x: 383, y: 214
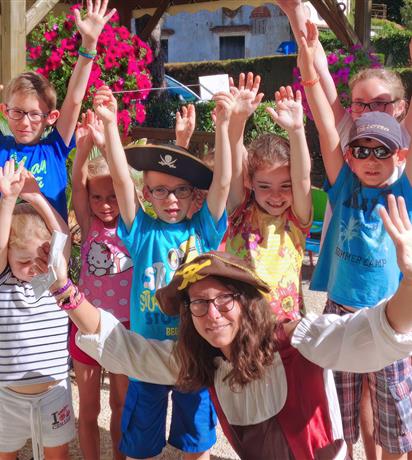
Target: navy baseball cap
x: 378, y: 126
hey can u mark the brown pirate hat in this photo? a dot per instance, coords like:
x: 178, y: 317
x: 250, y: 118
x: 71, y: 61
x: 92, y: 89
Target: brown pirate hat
x: 213, y: 263
x: 170, y: 159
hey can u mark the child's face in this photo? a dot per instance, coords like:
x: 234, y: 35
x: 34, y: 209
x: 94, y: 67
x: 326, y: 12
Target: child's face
x: 374, y: 90
x: 170, y: 209
x: 273, y: 189
x: 22, y: 259
x: 373, y: 172
x: 24, y: 130
x: 102, y: 199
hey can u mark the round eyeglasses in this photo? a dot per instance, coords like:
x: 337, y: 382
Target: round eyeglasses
x: 361, y: 153
x: 181, y: 192
x: 374, y: 106
x: 222, y: 303
x: 17, y: 114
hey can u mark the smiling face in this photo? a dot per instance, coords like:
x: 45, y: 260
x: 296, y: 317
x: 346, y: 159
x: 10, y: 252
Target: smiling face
x: 371, y: 171
x: 273, y: 188
x: 26, y: 131
x: 21, y: 259
x: 102, y: 199
x: 217, y: 328
x: 170, y: 209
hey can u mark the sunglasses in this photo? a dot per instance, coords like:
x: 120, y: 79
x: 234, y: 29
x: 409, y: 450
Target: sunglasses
x: 381, y: 153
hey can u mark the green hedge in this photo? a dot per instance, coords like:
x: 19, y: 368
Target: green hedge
x: 275, y: 70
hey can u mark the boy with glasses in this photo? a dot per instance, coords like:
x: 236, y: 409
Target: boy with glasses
x: 30, y: 108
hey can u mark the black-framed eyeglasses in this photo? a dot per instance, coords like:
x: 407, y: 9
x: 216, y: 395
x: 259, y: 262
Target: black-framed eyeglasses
x: 160, y: 193
x: 222, y: 303
x: 374, y: 106
x: 361, y: 153
x: 33, y: 115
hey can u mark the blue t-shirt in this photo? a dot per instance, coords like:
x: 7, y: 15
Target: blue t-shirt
x: 47, y: 161
x: 357, y: 264
x: 157, y: 249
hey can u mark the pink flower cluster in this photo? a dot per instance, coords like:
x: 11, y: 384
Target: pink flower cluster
x: 343, y: 65
x: 121, y: 62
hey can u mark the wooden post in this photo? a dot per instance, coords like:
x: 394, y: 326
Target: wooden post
x: 363, y: 10
x: 13, y: 38
x: 37, y: 12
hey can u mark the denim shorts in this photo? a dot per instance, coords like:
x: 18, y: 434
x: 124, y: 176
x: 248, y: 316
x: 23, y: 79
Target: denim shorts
x: 391, y: 397
x: 192, y: 427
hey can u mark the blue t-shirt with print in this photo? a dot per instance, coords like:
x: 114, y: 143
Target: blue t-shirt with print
x: 157, y: 249
x: 47, y: 161
x: 357, y: 264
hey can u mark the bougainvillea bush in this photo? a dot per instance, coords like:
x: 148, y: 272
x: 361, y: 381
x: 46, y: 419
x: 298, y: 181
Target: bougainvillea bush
x: 121, y: 62
x: 343, y: 64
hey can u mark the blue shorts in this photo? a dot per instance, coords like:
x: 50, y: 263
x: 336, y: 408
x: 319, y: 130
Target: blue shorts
x: 192, y: 427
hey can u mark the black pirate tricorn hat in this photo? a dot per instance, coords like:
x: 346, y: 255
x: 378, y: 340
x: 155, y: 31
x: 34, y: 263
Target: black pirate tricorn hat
x: 170, y: 159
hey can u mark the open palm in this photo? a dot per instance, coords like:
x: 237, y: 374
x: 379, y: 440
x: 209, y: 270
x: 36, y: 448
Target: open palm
x: 92, y: 24
x: 289, y: 111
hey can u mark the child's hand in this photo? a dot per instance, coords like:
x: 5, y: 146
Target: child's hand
x: 97, y: 131
x: 30, y: 188
x: 288, y: 5
x: 307, y: 49
x: 289, y: 111
x: 246, y: 95
x: 11, y: 179
x: 91, y: 26
x: 105, y: 105
x: 224, y: 106
x: 398, y: 225
x: 84, y: 140
x: 185, y: 125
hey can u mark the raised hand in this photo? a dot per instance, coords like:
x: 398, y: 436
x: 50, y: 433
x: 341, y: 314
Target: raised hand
x: 224, y: 106
x: 30, y: 188
x: 84, y: 140
x: 289, y: 111
x: 91, y: 26
x: 247, y: 97
x: 185, y: 125
x: 399, y: 228
x: 11, y: 179
x: 307, y: 47
x: 105, y: 105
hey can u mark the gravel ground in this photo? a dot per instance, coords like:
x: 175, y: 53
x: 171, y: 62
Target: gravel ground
x: 221, y: 450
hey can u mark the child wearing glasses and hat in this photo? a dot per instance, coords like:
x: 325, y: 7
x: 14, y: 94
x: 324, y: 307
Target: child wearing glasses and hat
x: 357, y: 264
x: 158, y: 246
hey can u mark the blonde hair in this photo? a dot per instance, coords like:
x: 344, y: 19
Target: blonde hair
x: 97, y: 167
x: 32, y: 83
x: 391, y: 79
x: 267, y: 150
x: 26, y: 225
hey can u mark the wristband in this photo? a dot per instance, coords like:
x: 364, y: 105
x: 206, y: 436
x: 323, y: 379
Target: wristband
x: 63, y: 289
x: 309, y: 83
x: 89, y: 54
x: 73, y: 301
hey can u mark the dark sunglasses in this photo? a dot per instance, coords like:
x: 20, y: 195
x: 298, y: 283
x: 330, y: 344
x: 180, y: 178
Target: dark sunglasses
x: 361, y: 153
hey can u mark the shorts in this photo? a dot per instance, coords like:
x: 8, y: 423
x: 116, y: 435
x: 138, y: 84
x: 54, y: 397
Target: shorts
x: 77, y: 353
x: 192, y: 427
x: 391, y: 397
x: 47, y: 418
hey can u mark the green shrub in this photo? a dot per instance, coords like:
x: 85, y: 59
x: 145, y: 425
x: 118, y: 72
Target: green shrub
x: 395, y: 46
x: 329, y: 41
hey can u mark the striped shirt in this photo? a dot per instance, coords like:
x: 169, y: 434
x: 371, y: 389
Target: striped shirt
x: 33, y: 335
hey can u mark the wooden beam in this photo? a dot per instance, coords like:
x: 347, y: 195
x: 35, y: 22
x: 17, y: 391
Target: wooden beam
x: 13, y: 38
x: 37, y: 12
x: 152, y: 22
x: 363, y: 9
x: 125, y: 8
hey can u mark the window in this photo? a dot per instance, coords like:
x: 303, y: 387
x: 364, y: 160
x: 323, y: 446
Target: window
x: 232, y: 47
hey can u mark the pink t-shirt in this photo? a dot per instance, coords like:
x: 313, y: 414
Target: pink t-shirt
x: 106, y: 271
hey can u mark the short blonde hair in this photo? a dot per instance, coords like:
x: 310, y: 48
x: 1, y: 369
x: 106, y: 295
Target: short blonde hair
x: 97, y: 167
x: 267, y: 150
x: 391, y: 79
x: 26, y: 225
x: 32, y: 83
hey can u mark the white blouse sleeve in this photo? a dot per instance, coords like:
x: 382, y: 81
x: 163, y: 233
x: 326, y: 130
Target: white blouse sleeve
x: 359, y: 342
x: 124, y: 352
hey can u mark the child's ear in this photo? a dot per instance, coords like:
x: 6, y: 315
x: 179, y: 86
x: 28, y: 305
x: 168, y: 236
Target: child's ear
x: 402, y: 154
x: 53, y: 116
x: 247, y: 180
x: 3, y: 108
x: 146, y: 194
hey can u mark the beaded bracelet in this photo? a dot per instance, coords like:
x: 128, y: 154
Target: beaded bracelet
x: 309, y: 83
x: 73, y: 301
x: 89, y: 54
x: 63, y: 289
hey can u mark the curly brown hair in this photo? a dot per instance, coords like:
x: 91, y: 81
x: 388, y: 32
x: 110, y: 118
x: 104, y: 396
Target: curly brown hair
x: 252, y: 350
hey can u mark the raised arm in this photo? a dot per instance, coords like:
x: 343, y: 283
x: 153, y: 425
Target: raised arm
x: 321, y: 110
x: 185, y: 125
x: 246, y: 100
x: 105, y: 106
x: 295, y: 11
x: 90, y: 28
x: 289, y: 115
x: 11, y: 183
x: 219, y: 189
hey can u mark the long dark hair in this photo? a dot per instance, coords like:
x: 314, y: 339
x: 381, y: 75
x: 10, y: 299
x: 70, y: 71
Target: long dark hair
x: 252, y: 349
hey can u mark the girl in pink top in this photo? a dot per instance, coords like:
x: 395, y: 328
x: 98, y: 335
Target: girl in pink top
x: 105, y: 277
